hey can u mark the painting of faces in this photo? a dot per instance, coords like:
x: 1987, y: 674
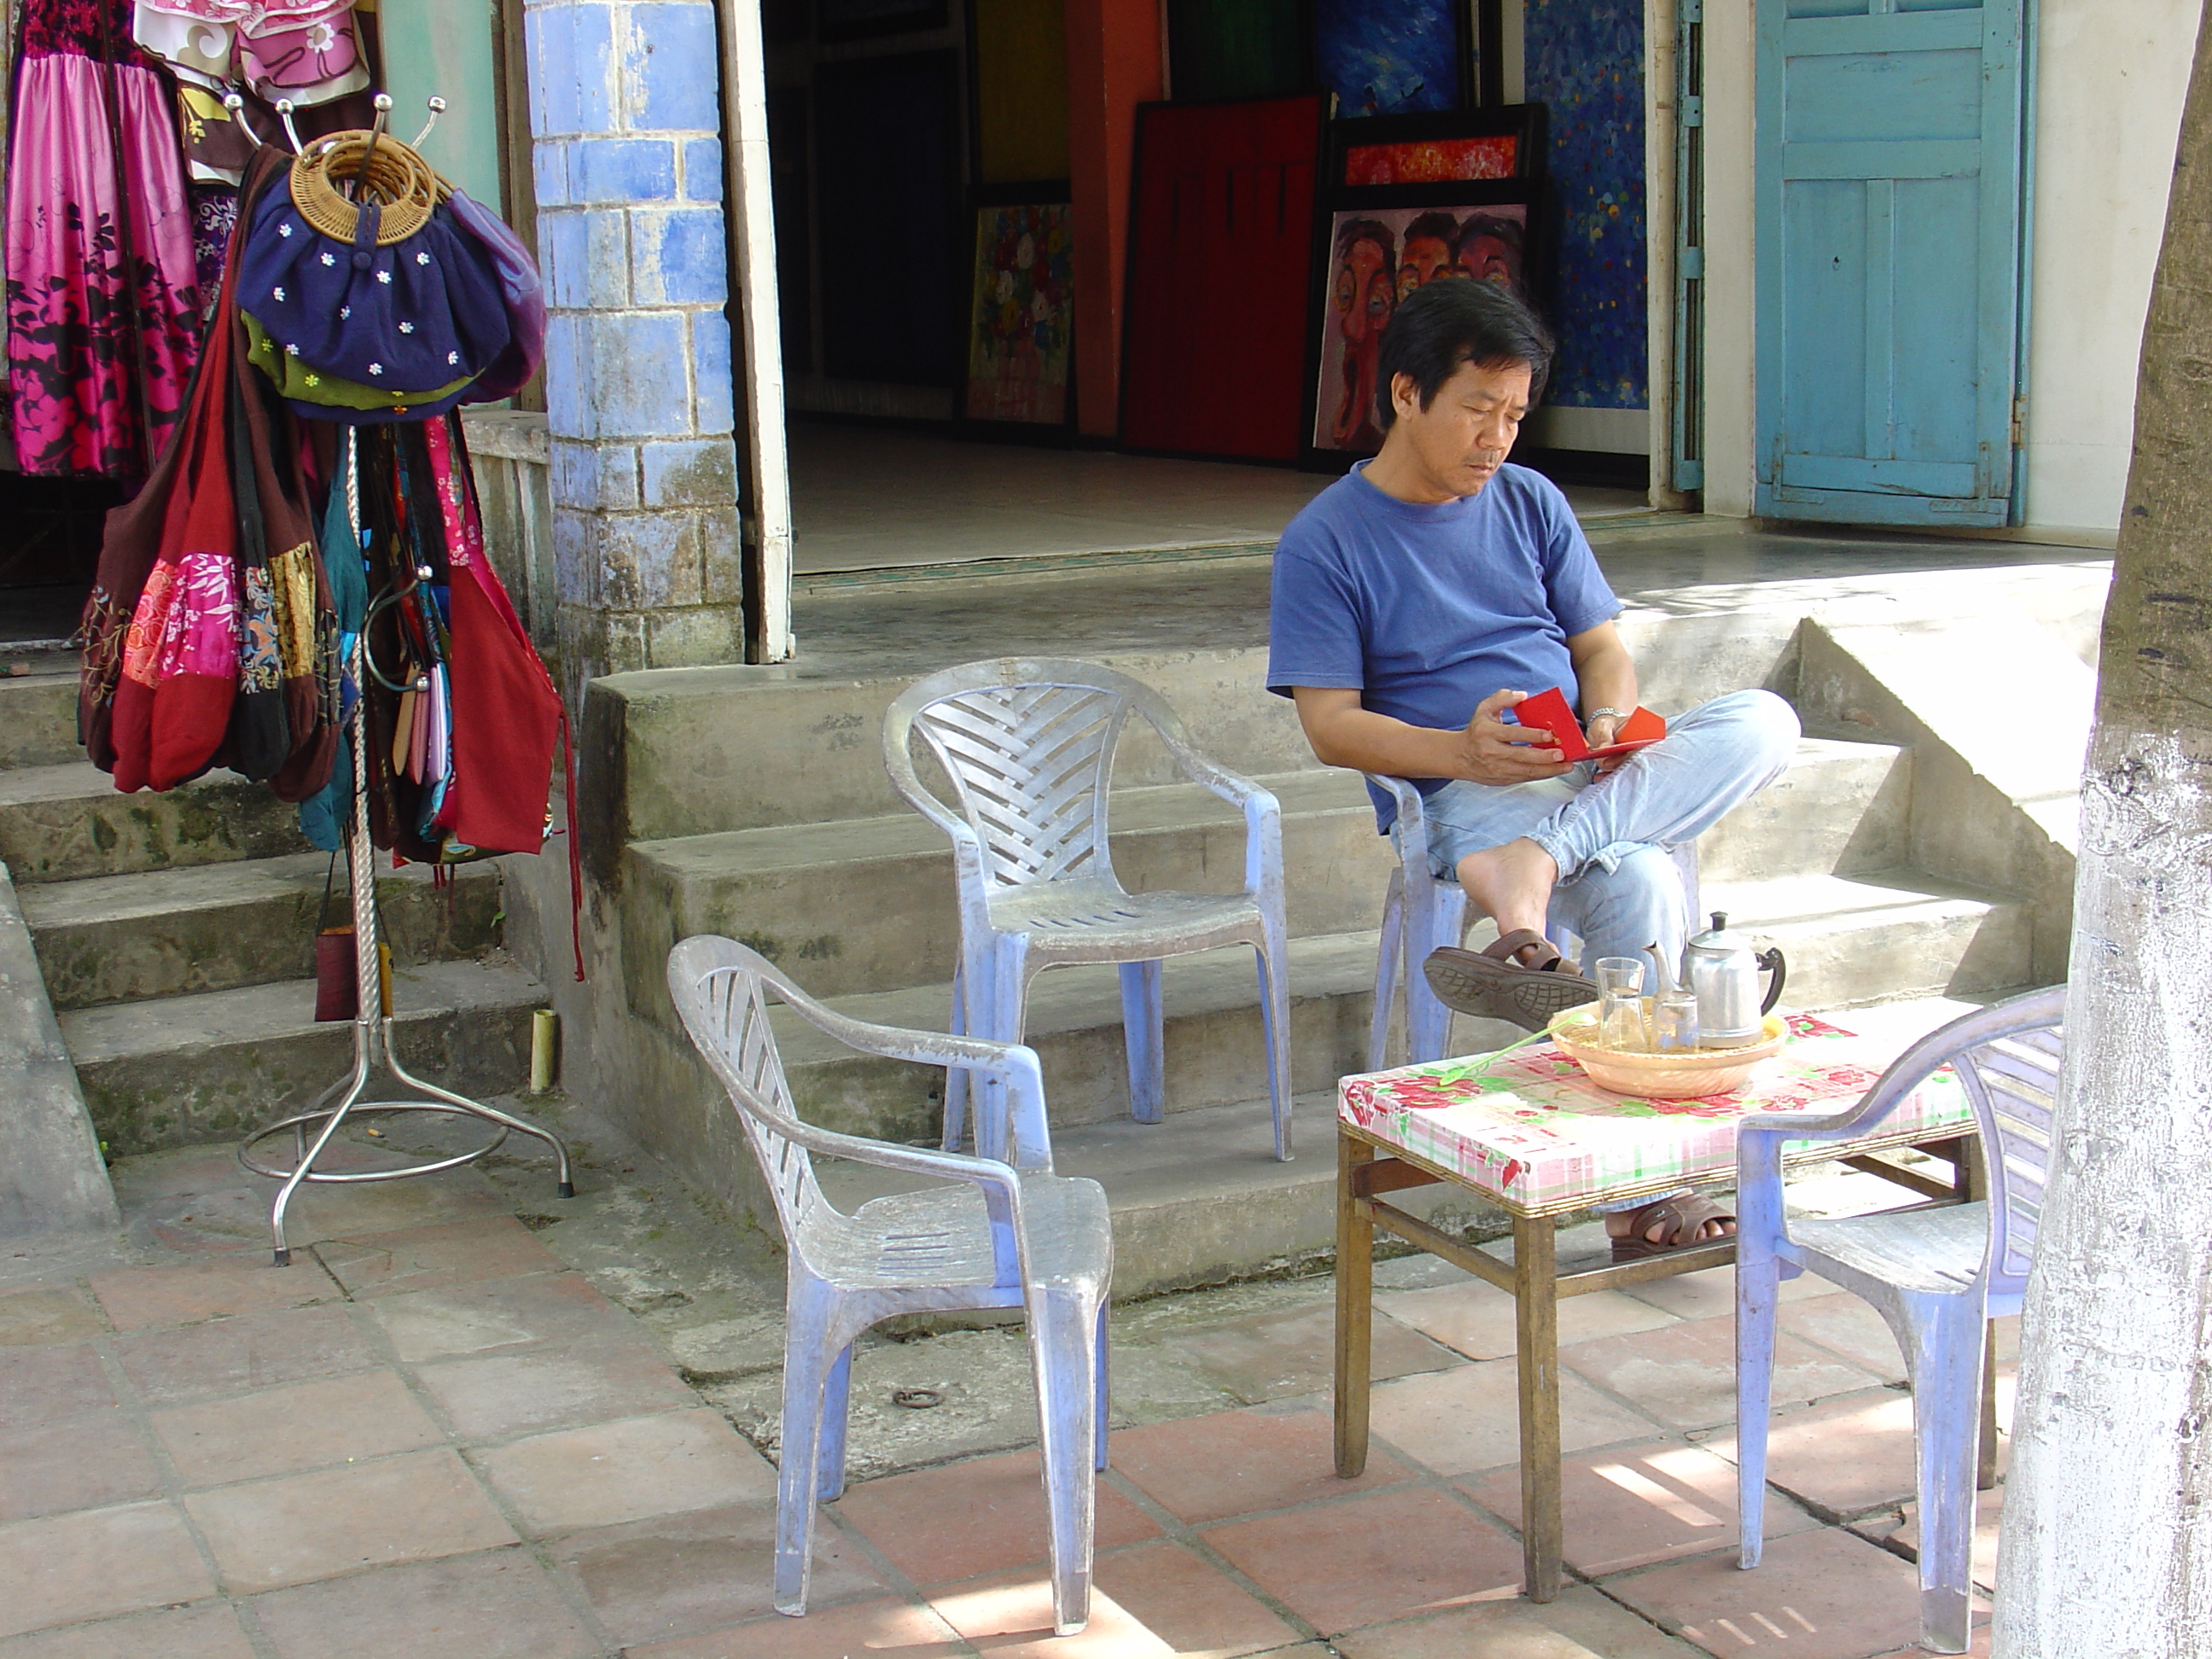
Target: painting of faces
x: 1378, y: 256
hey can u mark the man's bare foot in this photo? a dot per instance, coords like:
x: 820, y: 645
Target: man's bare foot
x: 1511, y: 884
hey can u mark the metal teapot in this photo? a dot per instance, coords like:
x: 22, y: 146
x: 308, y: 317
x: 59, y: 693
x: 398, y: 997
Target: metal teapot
x: 1722, y: 970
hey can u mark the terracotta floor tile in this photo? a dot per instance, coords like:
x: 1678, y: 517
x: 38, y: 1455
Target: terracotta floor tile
x: 47, y: 1313
x: 1208, y: 1468
x: 1826, y: 1594
x: 499, y: 1605
x: 230, y: 1356
x: 859, y: 1629
x: 503, y: 1313
x: 1476, y: 1318
x: 1850, y: 1328
x: 612, y: 1473
x: 1188, y: 1602
x: 1580, y: 1624
x: 1684, y: 1374
x: 1385, y: 1555
x: 272, y: 1534
x: 1279, y: 1356
x: 1905, y: 1529
x: 704, y: 1571
x: 187, y: 1293
x: 289, y: 1430
x: 78, y: 1464
x: 96, y: 1563
x: 1845, y: 1457
x: 558, y: 1385
x: 984, y: 1515
x: 209, y: 1632
x: 1628, y: 1508
x: 1458, y: 1422
x: 1009, y: 1616
x: 433, y: 1257
x: 46, y: 1385
x: 1710, y: 1292
x: 1978, y: 1647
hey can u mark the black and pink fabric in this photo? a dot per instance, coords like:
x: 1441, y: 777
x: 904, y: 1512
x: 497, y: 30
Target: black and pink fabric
x: 102, y: 289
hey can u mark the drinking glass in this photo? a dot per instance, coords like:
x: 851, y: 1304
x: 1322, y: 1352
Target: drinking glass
x: 1675, y: 1022
x: 1620, y: 1005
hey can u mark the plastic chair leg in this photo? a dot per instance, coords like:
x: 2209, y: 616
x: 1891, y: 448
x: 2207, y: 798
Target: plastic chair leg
x: 1428, y: 1022
x: 1104, y: 1406
x: 1063, y: 1335
x: 956, y: 1077
x: 1275, y: 1031
x: 829, y: 1461
x: 807, y: 1360
x: 1144, y: 1036
x: 1946, y: 1408
x: 1758, y: 1284
x: 1389, y: 952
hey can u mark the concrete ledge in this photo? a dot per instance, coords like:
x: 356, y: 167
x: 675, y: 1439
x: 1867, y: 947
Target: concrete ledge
x: 52, y: 1176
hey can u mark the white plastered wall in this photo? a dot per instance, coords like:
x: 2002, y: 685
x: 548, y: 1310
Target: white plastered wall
x: 2112, y: 76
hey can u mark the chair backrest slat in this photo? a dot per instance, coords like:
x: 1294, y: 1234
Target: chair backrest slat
x: 2012, y: 1078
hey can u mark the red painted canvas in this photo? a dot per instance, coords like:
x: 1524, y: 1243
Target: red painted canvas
x: 1433, y: 160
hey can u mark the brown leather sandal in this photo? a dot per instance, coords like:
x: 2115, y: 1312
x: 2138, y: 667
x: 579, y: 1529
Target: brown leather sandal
x: 1683, y: 1218
x: 1490, y: 983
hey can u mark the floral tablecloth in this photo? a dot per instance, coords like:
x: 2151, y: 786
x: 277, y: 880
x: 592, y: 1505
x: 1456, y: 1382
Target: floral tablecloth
x: 1532, y: 1131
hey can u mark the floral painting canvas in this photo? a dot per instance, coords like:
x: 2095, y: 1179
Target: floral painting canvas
x: 1388, y: 57
x: 1018, y: 340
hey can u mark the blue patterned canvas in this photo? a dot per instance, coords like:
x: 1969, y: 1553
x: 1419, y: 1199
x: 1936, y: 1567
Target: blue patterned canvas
x: 1387, y: 57
x: 1585, y: 60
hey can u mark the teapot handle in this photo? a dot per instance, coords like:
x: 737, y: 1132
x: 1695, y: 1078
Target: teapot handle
x: 1770, y: 960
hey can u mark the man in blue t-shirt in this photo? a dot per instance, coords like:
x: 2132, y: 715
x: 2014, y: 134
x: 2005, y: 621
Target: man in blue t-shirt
x: 1420, y: 598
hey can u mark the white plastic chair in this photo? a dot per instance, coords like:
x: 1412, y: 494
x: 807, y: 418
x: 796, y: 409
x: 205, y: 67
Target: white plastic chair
x: 1936, y: 1275
x: 1029, y: 745
x: 1011, y: 1235
x: 1420, y: 912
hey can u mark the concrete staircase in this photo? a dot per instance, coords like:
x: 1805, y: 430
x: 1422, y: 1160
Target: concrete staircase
x: 175, y: 935
x: 858, y: 907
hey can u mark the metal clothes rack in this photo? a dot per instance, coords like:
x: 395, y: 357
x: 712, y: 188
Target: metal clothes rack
x: 372, y: 1022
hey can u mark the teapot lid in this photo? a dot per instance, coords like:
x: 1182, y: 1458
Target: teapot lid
x: 1720, y: 936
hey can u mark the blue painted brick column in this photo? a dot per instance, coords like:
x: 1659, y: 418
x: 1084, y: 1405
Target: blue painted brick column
x: 625, y: 112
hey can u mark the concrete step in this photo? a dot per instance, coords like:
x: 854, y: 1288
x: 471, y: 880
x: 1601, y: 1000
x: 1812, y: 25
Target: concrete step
x: 867, y: 904
x: 217, y: 927
x: 61, y: 822
x: 38, y: 720
x: 1842, y: 808
x: 190, y: 1070
x: 1883, y: 936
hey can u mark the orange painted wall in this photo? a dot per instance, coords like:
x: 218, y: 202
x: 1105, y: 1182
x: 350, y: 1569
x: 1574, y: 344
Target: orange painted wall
x: 1113, y: 66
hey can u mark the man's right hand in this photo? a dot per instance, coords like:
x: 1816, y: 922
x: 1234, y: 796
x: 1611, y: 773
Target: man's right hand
x: 1495, y: 752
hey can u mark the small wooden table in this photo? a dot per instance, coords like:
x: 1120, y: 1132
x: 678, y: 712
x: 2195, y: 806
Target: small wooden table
x: 1534, y: 1136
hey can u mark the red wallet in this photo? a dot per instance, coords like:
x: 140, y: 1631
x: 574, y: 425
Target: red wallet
x: 1549, y: 711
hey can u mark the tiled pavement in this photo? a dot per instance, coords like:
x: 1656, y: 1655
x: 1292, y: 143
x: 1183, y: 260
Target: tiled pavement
x: 432, y: 1436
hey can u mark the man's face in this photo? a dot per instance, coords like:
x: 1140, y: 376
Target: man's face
x: 1425, y: 258
x: 1458, y: 441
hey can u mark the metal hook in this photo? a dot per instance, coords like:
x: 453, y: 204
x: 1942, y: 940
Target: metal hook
x: 236, y: 106
x: 383, y: 102
x: 437, y: 108
x: 284, y: 114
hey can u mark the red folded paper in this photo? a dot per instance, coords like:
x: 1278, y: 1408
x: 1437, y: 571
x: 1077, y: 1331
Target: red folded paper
x: 1549, y: 711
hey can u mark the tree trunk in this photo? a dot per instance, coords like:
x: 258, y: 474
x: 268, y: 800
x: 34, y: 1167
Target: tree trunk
x: 2107, y: 1551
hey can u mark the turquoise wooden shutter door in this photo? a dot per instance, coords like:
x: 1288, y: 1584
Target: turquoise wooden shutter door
x: 1888, y: 235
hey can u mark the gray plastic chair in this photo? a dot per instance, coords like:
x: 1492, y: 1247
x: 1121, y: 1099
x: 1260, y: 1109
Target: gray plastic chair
x: 1420, y: 912
x: 1936, y: 1275
x: 1010, y: 1234
x: 1029, y: 745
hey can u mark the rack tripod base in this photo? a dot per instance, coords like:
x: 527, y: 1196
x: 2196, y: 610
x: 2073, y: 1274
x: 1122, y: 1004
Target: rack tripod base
x: 312, y: 1130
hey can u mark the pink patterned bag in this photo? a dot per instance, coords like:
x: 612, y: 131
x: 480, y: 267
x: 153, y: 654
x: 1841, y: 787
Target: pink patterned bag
x: 309, y: 60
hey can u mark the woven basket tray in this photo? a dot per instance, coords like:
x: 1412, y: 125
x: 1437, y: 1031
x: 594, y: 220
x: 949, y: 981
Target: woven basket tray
x: 1661, y: 1077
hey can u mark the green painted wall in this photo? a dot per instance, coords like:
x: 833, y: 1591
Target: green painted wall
x: 445, y: 47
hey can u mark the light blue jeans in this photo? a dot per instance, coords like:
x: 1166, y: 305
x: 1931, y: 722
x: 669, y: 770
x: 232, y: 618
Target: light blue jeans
x: 1619, y: 890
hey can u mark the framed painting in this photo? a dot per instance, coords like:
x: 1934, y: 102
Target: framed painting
x: 1220, y: 49
x: 1393, y: 57
x: 1370, y: 256
x: 1460, y: 147
x: 1020, y: 319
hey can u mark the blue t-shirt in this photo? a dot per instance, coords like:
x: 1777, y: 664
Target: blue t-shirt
x: 1427, y: 610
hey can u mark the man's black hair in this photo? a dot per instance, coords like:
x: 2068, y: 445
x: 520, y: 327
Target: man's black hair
x: 1440, y: 326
